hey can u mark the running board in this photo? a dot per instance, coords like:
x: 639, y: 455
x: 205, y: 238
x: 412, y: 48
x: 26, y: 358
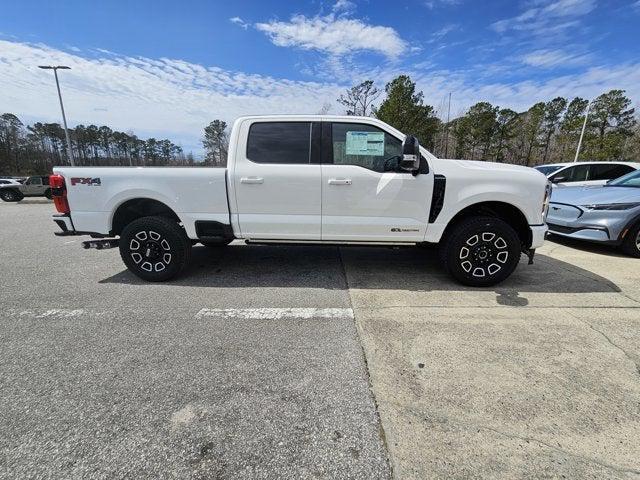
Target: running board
x: 101, y: 244
x: 330, y: 243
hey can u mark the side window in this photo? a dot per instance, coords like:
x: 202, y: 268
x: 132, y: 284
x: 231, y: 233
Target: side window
x: 608, y: 171
x: 579, y: 173
x: 34, y: 181
x: 365, y: 146
x: 279, y: 142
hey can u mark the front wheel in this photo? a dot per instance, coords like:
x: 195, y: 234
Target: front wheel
x: 154, y: 248
x: 10, y: 195
x: 481, y: 251
x: 631, y: 244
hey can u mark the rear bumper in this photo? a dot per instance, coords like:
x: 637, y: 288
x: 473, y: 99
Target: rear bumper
x: 538, y: 232
x: 67, y: 229
x: 66, y: 225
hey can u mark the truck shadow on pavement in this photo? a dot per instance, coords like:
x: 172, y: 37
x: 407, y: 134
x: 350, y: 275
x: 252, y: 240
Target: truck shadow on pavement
x: 412, y: 269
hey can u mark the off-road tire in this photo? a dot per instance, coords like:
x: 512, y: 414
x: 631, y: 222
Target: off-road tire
x: 11, y: 195
x: 631, y: 243
x: 480, y: 251
x: 155, y: 248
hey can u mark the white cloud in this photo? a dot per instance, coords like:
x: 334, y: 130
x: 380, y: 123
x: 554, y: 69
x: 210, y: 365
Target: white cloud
x: 345, y: 6
x: 164, y: 97
x: 431, y: 4
x: 442, y: 32
x: 547, y: 16
x: 170, y: 98
x: 337, y: 36
x: 238, y: 21
x: 555, y: 58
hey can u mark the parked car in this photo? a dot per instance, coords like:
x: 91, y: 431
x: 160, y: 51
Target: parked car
x: 9, y: 181
x: 606, y: 214
x: 311, y: 180
x: 36, y: 186
x: 576, y: 174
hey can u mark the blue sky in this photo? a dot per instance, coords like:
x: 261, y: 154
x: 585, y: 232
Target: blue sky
x: 167, y: 68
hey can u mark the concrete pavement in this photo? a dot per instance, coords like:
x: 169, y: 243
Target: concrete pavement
x: 251, y: 364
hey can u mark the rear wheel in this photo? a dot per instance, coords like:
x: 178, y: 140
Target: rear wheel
x: 10, y: 195
x: 481, y: 251
x: 154, y: 248
x: 631, y: 244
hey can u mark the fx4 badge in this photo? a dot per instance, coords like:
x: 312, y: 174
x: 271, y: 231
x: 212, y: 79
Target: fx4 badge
x: 92, y: 182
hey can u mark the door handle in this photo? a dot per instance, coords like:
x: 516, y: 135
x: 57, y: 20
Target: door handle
x: 252, y: 180
x: 339, y: 181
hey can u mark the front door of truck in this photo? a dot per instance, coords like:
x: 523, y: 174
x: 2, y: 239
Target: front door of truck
x: 32, y: 186
x: 365, y: 196
x: 277, y: 180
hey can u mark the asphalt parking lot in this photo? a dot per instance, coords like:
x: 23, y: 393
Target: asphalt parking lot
x: 313, y: 362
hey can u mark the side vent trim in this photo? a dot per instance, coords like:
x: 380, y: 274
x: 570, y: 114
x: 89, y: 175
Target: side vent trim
x: 437, y: 199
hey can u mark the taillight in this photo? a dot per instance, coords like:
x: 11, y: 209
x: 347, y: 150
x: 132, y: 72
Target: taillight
x: 59, y: 193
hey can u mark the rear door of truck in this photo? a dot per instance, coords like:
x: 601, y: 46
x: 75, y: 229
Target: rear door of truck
x: 276, y: 179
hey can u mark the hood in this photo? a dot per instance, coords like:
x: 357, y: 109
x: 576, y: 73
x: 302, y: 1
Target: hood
x: 480, y: 165
x: 595, y: 195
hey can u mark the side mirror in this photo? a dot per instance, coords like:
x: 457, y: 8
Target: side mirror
x: 410, y: 160
x: 559, y: 179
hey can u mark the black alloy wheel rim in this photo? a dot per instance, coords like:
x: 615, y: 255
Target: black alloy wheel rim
x: 150, y: 252
x: 483, y: 254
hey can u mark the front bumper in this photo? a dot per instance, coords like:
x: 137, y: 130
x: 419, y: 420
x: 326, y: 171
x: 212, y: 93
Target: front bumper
x: 602, y: 226
x: 538, y: 232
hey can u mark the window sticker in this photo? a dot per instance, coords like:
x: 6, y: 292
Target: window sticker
x: 365, y: 143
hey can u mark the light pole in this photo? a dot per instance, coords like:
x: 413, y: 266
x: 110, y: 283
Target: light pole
x: 584, y: 126
x: 64, y: 118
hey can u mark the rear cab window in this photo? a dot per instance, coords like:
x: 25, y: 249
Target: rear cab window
x: 280, y: 142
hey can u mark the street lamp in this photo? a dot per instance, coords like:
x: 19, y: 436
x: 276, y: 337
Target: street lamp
x: 584, y: 127
x: 64, y: 118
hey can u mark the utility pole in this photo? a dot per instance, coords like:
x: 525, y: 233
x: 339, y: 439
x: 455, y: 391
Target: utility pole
x: 446, y: 132
x: 64, y: 118
x: 584, y: 126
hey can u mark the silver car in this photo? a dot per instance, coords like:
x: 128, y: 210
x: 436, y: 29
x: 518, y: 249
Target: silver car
x: 606, y: 214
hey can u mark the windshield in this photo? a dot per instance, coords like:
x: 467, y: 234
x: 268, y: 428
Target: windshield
x: 548, y: 169
x: 629, y: 180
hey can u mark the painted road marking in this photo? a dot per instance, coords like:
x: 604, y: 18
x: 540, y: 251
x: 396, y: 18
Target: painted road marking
x: 48, y: 313
x: 275, y: 313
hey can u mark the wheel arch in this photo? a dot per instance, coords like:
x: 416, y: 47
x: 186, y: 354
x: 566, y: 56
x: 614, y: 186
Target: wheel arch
x: 508, y: 212
x: 135, y: 208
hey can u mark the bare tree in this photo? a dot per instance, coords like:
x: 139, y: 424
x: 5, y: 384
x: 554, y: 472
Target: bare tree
x: 359, y: 99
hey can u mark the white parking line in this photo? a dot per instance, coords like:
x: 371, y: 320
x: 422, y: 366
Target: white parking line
x: 275, y: 313
x: 49, y: 313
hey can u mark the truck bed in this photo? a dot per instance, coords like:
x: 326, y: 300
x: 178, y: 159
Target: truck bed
x: 193, y: 193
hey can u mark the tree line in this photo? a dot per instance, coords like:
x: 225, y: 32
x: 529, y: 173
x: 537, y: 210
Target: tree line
x: 36, y: 148
x: 547, y: 132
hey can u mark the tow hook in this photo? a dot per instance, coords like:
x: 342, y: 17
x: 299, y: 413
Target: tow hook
x: 101, y: 244
x: 530, y: 253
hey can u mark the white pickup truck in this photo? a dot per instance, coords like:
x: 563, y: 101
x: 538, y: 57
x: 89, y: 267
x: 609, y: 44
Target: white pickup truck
x: 311, y: 180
